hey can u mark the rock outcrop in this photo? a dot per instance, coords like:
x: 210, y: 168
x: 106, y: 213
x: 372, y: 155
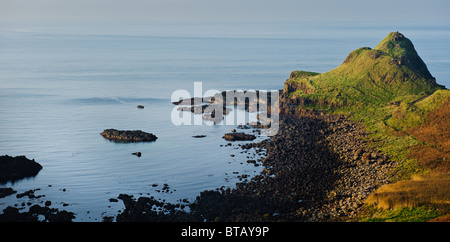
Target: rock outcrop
x: 238, y: 136
x: 128, y: 136
x: 15, y: 168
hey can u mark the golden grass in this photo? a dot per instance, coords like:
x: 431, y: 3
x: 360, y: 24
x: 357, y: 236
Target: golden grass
x: 445, y: 218
x: 432, y: 188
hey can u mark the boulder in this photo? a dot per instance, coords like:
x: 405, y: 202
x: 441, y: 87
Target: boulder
x: 128, y: 136
x: 238, y: 136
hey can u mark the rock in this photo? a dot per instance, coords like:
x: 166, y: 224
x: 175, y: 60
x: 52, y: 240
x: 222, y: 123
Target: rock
x: 238, y: 136
x: 4, y: 192
x: 199, y: 136
x: 15, y: 168
x: 373, y: 155
x: 30, y: 194
x: 366, y: 156
x: 190, y: 101
x: 128, y: 136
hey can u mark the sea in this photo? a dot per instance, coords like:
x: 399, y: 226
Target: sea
x: 61, y: 85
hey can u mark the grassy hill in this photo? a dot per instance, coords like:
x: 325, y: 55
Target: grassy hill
x: 391, y: 70
x: 390, y: 90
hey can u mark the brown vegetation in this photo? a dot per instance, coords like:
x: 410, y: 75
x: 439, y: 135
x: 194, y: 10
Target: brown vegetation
x: 433, y: 187
x: 435, y: 133
x: 425, y: 189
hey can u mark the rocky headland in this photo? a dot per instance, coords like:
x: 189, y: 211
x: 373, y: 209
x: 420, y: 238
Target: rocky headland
x: 249, y: 100
x: 19, y: 167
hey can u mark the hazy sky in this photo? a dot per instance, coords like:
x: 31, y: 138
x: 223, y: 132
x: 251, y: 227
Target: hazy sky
x: 151, y: 11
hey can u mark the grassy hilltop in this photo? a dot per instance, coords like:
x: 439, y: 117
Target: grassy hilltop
x: 391, y: 70
x: 391, y: 91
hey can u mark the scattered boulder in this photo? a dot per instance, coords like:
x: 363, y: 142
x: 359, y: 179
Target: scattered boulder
x: 128, y: 136
x: 30, y: 194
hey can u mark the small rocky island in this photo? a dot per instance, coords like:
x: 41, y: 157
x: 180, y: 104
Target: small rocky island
x: 128, y: 136
x: 16, y: 168
x: 238, y: 136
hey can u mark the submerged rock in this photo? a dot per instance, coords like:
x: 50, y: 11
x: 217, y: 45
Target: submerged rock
x: 15, y: 168
x: 128, y: 136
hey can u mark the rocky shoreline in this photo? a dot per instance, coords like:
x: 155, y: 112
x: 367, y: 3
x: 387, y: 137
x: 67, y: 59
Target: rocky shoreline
x: 319, y: 167
x: 19, y: 167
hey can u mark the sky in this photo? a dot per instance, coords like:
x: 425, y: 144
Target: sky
x: 222, y: 11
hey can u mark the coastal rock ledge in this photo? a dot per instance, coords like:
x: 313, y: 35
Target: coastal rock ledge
x: 128, y: 136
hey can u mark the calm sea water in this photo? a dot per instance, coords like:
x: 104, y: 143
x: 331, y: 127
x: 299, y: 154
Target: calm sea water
x: 60, y: 86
